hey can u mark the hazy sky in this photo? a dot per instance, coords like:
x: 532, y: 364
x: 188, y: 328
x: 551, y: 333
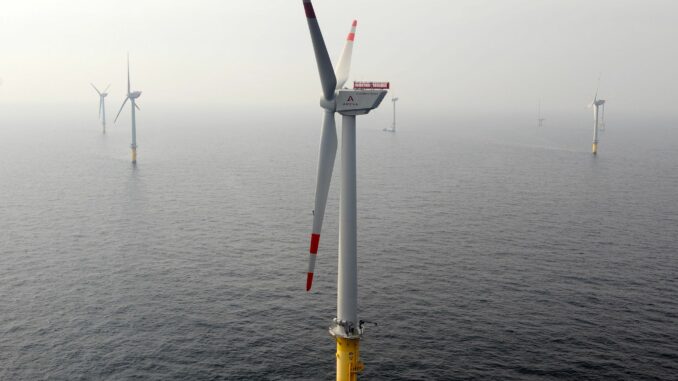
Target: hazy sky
x: 441, y: 56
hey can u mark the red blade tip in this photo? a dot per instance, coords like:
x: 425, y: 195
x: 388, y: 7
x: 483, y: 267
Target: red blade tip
x: 309, y: 281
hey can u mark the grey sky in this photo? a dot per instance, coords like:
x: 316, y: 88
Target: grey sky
x: 461, y: 56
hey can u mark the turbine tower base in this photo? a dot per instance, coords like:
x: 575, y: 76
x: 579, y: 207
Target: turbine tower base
x: 594, y: 149
x: 348, y: 359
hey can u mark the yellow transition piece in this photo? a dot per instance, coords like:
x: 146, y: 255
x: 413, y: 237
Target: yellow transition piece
x: 348, y: 359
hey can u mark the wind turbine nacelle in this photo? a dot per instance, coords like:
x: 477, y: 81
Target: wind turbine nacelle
x: 135, y: 94
x: 358, y: 102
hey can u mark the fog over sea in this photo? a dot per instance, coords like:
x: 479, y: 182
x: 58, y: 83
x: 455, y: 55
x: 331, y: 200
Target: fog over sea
x: 488, y: 248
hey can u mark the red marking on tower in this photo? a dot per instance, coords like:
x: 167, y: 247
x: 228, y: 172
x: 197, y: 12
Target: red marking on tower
x: 315, y: 239
x: 351, y: 36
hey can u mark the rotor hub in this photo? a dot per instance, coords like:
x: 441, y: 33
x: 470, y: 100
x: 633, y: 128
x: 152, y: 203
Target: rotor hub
x: 329, y: 105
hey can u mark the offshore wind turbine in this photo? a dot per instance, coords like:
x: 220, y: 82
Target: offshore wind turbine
x: 540, y: 120
x: 393, y: 127
x: 597, y: 104
x: 132, y: 96
x: 365, y: 96
x: 102, y: 105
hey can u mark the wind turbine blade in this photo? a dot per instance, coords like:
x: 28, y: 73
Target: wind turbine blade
x: 595, y: 97
x: 95, y: 89
x: 344, y: 65
x: 106, y: 89
x: 128, y: 84
x: 328, y: 151
x: 123, y: 105
x: 328, y: 81
x: 137, y: 106
x: 101, y: 101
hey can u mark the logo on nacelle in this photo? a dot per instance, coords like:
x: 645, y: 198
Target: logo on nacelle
x: 350, y: 102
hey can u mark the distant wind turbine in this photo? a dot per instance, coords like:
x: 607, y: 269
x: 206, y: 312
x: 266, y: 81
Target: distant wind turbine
x: 597, y: 104
x: 132, y: 96
x: 393, y: 127
x: 540, y: 120
x: 102, y: 105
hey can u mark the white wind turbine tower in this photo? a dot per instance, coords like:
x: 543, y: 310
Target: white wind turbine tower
x: 102, y: 105
x: 346, y: 328
x: 597, y: 104
x: 132, y: 96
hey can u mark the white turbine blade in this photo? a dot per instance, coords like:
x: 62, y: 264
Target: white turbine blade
x: 106, y: 89
x: 95, y: 89
x: 328, y: 151
x: 344, y: 65
x: 101, y: 101
x: 128, y: 84
x: 595, y: 97
x: 328, y: 81
x: 137, y: 106
x: 123, y: 105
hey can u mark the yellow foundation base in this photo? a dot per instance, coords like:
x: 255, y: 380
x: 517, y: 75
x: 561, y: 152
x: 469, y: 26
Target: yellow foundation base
x: 348, y: 359
x: 134, y: 155
x: 595, y: 148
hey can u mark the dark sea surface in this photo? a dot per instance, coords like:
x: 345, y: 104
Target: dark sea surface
x: 493, y: 251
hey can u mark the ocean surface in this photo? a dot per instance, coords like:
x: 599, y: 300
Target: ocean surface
x: 487, y: 250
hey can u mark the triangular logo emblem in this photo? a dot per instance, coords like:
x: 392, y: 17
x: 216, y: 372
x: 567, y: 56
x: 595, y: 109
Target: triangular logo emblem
x: 350, y: 98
